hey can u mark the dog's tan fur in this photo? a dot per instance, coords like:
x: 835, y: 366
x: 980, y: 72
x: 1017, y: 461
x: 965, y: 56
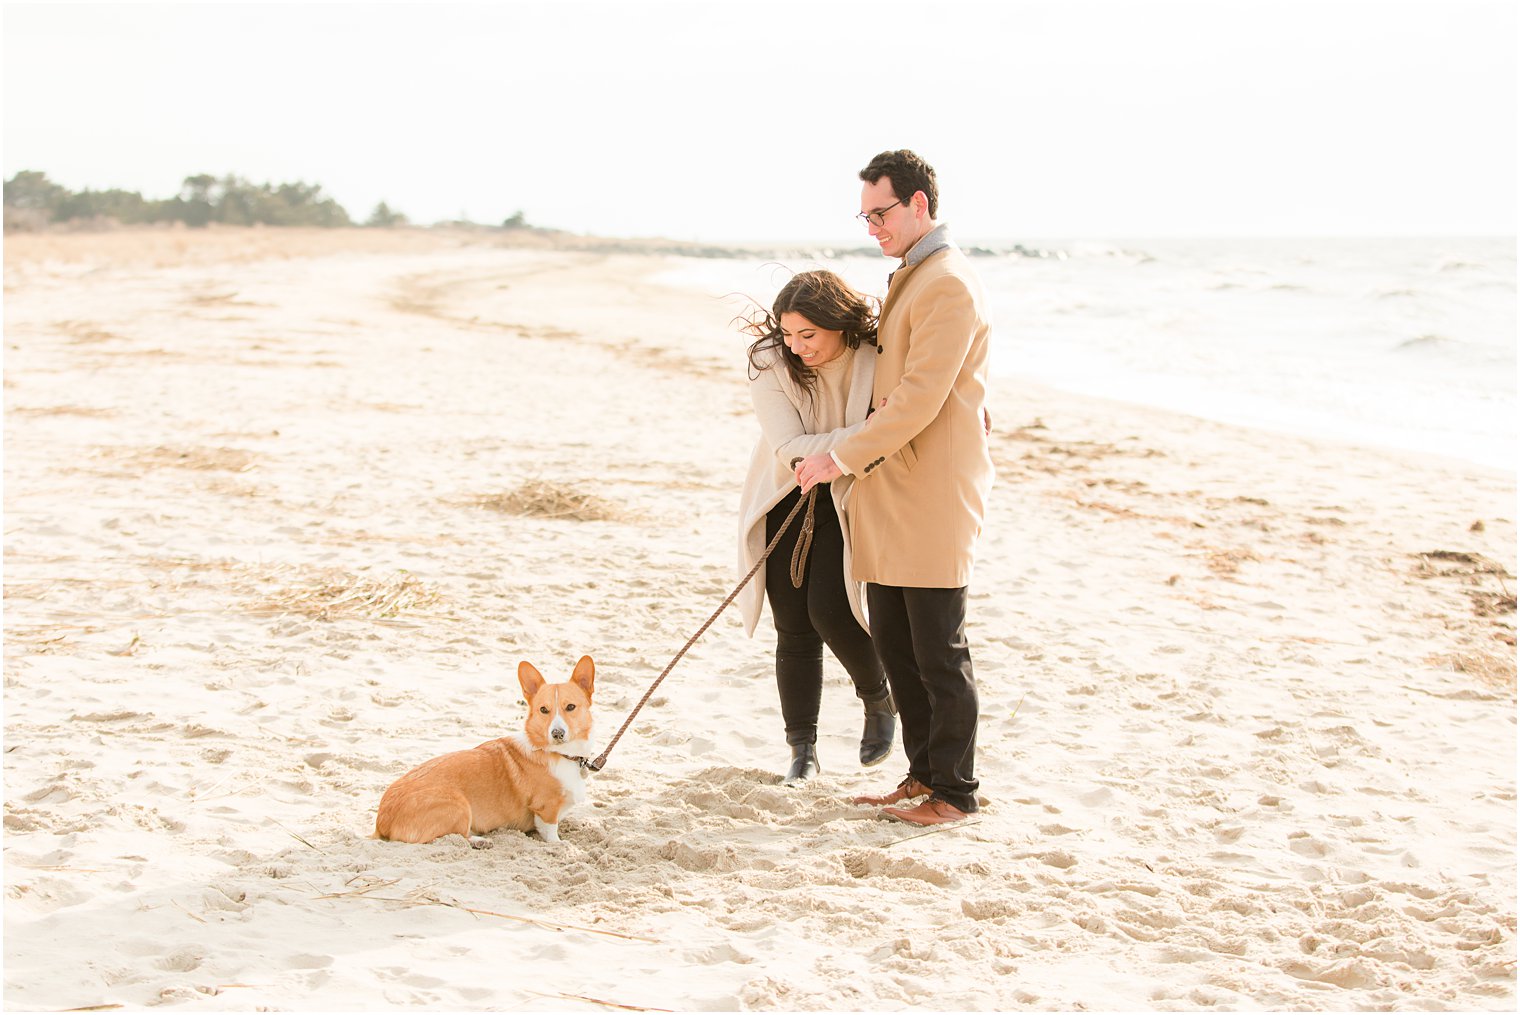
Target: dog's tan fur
x: 524, y: 781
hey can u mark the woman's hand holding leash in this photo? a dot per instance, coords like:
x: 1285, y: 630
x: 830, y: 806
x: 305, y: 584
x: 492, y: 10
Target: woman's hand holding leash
x: 815, y: 469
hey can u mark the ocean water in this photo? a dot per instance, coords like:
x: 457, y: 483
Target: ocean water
x: 1402, y: 343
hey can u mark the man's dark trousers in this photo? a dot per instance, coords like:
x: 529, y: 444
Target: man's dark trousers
x: 920, y: 635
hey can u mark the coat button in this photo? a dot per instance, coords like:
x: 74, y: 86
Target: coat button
x: 880, y: 350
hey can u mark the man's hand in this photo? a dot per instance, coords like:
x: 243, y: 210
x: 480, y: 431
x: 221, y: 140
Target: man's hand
x: 815, y: 469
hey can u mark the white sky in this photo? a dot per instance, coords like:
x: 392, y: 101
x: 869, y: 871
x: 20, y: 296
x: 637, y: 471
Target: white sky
x: 750, y: 120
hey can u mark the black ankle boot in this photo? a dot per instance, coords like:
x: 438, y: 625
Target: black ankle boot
x: 881, y: 726
x: 804, y: 764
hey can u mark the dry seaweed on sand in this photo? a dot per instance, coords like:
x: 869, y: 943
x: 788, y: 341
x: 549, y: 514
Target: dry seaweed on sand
x: 1226, y: 562
x: 1458, y: 564
x: 1484, y: 581
x: 200, y: 459
x: 88, y: 411
x: 44, y: 639
x: 1493, y: 669
x: 339, y: 594
x: 538, y: 498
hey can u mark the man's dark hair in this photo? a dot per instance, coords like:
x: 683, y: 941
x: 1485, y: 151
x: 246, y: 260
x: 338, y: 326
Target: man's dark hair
x: 908, y: 173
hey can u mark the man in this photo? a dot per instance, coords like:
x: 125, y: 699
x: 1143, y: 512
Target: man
x: 923, y: 473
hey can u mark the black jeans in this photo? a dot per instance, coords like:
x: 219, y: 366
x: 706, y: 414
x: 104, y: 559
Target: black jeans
x: 920, y: 635
x: 812, y: 616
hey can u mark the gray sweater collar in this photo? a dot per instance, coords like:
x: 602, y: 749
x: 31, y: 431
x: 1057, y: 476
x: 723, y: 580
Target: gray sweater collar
x: 933, y: 242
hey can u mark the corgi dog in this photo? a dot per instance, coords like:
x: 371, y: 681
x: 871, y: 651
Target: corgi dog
x: 525, y: 781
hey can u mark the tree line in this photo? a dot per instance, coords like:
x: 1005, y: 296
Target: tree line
x: 32, y: 201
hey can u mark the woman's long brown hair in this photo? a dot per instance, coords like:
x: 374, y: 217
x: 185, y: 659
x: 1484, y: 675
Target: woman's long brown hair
x: 827, y: 302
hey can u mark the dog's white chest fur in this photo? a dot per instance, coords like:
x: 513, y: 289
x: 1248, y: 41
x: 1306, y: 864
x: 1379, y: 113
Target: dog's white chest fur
x: 569, y: 775
x: 566, y: 771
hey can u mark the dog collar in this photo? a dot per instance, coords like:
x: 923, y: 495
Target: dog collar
x: 584, y: 763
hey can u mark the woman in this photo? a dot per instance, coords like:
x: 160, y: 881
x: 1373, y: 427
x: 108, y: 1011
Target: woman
x: 811, y: 366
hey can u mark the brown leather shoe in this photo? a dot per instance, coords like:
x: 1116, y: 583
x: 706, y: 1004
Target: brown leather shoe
x: 931, y: 812
x: 906, y: 790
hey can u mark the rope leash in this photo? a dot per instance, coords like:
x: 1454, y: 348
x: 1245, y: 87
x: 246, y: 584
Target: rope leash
x: 798, y: 571
x: 804, y: 542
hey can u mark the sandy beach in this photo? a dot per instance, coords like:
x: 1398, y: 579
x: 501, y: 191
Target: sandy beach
x: 284, y: 510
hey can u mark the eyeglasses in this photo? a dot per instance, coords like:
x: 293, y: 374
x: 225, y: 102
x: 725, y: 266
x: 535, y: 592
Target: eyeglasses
x: 877, y: 218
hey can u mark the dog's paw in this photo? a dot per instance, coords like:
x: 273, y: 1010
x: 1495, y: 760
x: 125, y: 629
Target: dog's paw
x: 481, y: 842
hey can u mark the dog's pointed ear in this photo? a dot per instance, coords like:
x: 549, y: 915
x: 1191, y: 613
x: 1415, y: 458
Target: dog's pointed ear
x: 584, y: 675
x: 530, y: 679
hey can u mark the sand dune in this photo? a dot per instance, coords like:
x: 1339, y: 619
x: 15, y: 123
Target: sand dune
x: 1248, y: 732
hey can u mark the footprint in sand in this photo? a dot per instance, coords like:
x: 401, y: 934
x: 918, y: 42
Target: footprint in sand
x: 1350, y: 973
x: 1305, y: 844
x: 304, y: 961
x: 1059, y: 859
x: 46, y: 895
x: 224, y: 897
x: 722, y: 859
x: 996, y: 908
x: 1229, y: 834
x: 869, y: 863
x: 181, y: 960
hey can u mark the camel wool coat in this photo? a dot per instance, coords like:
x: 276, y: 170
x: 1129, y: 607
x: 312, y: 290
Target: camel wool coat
x: 789, y: 430
x: 922, y: 465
